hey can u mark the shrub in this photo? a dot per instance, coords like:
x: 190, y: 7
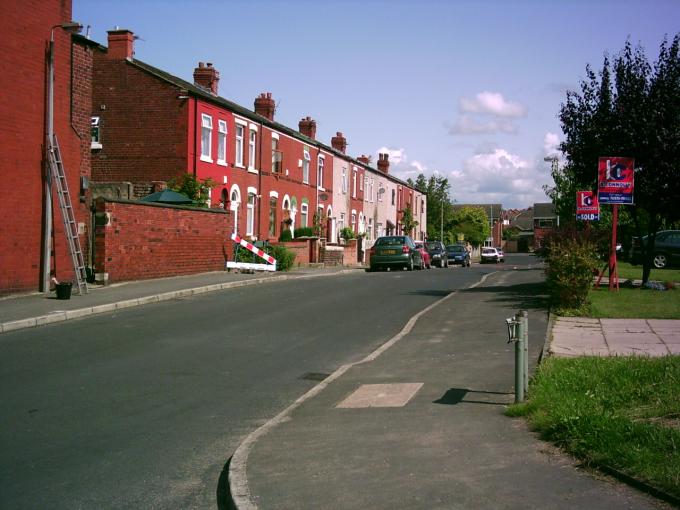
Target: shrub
x: 284, y: 257
x: 570, y: 263
x: 347, y: 233
x: 286, y: 235
x: 304, y: 232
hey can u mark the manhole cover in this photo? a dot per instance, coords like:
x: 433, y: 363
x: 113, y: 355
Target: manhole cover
x: 381, y: 395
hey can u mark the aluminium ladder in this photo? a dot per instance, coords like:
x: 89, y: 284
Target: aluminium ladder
x: 70, y: 226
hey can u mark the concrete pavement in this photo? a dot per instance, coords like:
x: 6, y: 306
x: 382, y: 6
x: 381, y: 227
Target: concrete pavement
x: 419, y: 424
x: 19, y: 312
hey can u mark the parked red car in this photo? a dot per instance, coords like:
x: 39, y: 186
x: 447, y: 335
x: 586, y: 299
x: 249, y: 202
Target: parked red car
x: 426, y: 256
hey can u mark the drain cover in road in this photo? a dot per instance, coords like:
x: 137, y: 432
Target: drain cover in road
x: 381, y: 395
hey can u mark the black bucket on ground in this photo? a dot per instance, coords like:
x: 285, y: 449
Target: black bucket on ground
x: 64, y: 290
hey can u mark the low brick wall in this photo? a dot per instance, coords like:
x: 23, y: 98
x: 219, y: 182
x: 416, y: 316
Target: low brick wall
x: 301, y: 250
x: 332, y: 255
x: 137, y: 240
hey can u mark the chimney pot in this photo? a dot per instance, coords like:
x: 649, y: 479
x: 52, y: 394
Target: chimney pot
x: 383, y: 163
x: 207, y: 77
x: 265, y: 105
x: 339, y: 142
x: 307, y: 127
x: 121, y: 44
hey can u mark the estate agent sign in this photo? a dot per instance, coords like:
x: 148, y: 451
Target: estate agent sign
x: 587, y: 206
x: 615, y: 180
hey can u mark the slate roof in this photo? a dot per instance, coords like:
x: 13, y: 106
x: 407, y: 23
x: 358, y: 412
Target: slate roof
x: 205, y: 95
x: 544, y: 211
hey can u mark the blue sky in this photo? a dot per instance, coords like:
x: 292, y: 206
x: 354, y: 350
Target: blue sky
x: 468, y: 89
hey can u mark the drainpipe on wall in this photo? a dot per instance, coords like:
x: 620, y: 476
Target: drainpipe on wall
x: 258, y: 195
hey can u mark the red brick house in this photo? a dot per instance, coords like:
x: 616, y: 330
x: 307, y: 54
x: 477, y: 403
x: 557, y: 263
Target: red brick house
x: 27, y: 29
x: 270, y: 176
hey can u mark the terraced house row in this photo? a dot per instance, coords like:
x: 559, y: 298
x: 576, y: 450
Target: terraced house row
x: 124, y: 125
x: 154, y: 126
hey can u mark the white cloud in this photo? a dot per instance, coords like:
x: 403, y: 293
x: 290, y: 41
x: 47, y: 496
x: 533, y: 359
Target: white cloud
x: 551, y: 144
x: 497, y: 176
x: 492, y: 103
x: 467, y: 125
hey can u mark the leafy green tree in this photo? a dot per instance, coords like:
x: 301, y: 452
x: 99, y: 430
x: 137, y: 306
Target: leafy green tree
x: 472, y: 222
x: 407, y: 221
x: 439, y: 210
x: 198, y: 191
x: 629, y: 109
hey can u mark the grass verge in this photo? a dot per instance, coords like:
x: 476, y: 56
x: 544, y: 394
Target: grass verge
x: 635, y: 304
x: 627, y: 271
x: 621, y: 412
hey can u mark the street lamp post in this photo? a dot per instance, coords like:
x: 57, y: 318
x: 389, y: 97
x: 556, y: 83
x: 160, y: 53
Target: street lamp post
x: 441, y: 223
x: 71, y: 27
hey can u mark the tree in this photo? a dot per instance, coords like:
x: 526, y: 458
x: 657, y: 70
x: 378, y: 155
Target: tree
x: 188, y: 185
x: 407, y: 221
x: 636, y: 114
x: 472, y: 222
x: 439, y: 209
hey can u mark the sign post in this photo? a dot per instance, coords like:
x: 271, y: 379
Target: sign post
x: 615, y: 186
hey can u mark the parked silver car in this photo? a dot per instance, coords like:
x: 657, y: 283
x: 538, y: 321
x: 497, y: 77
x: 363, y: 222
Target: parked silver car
x: 490, y: 255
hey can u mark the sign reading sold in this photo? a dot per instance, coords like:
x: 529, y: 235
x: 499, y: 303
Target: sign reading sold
x: 615, y: 180
x: 587, y: 206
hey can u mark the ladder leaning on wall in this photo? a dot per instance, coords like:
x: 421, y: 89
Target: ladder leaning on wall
x: 70, y: 226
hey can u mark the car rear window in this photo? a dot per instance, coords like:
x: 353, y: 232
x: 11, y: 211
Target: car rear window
x: 456, y: 248
x: 390, y: 241
x: 489, y: 250
x: 432, y: 246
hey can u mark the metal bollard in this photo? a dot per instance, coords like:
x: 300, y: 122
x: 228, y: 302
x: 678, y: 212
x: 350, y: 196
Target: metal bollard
x: 516, y: 328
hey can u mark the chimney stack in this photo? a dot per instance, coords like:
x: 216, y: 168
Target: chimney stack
x: 308, y: 127
x: 383, y: 163
x: 364, y: 159
x: 207, y: 77
x: 339, y: 142
x: 121, y: 44
x: 265, y: 105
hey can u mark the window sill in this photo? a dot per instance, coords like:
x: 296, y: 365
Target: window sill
x: 222, y: 163
x: 206, y: 159
x: 236, y: 165
x: 96, y: 146
x: 320, y: 188
x: 253, y: 170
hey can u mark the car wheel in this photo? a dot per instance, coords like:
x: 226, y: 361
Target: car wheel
x: 660, y: 261
x: 409, y: 267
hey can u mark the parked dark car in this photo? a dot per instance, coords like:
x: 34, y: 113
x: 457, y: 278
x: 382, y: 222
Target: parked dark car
x: 395, y: 252
x: 437, y: 252
x: 665, y: 252
x: 458, y: 254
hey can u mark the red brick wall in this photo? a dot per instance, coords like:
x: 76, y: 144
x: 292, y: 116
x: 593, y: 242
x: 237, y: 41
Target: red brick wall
x: 143, y: 124
x: 301, y: 250
x: 144, y: 241
x: 25, y: 28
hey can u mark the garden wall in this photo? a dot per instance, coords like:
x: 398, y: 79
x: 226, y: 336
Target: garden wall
x: 138, y: 240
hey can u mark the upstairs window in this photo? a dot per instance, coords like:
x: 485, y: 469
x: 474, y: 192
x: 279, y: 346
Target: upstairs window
x: 206, y: 138
x: 222, y: 142
x: 239, y: 145
x: 393, y: 196
x: 95, y: 134
x: 344, y: 180
x: 277, y: 156
x: 354, y: 184
x: 319, y: 177
x: 305, y: 168
x: 251, y: 149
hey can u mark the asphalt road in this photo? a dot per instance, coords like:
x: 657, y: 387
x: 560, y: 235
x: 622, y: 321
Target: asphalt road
x: 143, y: 408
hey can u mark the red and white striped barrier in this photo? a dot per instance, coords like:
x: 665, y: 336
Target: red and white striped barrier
x: 271, y: 266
